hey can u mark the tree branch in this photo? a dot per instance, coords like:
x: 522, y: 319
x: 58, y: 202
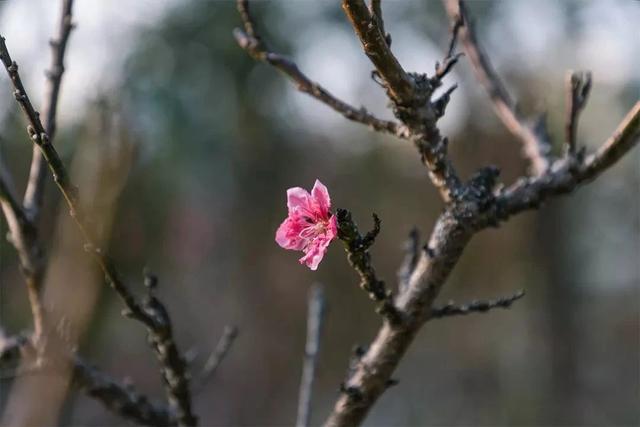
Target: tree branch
x: 35, y: 187
x: 479, y: 206
x: 535, y: 148
x: 399, y: 85
x: 410, y: 94
x: 451, y: 309
x: 567, y: 173
x: 357, y: 247
x: 152, y: 312
x: 315, y: 317
x: 250, y: 41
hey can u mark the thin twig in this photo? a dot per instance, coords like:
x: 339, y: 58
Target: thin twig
x: 535, y: 148
x: 315, y: 317
x: 578, y: 86
x: 357, y: 247
x: 623, y: 139
x: 250, y: 41
x: 35, y: 187
x: 216, y: 357
x: 152, y: 313
x: 451, y: 309
x: 451, y: 58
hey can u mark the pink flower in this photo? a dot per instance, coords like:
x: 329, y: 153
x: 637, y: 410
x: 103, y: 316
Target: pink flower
x: 310, y: 227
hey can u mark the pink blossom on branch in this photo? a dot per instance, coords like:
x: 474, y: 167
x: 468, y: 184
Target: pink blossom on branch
x: 310, y: 226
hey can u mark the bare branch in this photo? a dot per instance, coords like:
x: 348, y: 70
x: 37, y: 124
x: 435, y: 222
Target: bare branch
x: 535, y: 149
x: 578, y: 86
x: 624, y: 138
x: 217, y: 356
x: 23, y: 237
x: 479, y: 207
x: 451, y: 58
x: 315, y: 316
x: 253, y: 44
x: 35, y: 188
x: 357, y: 247
x: 173, y: 367
x: 152, y: 312
x: 451, y: 309
x: 410, y: 94
x: 567, y: 173
x: 399, y: 84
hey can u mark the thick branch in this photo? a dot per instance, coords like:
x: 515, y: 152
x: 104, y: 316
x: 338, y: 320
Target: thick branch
x: 35, y: 187
x: 373, y: 371
x: 315, y: 317
x: 152, y: 313
x: 535, y: 148
x: 250, y: 41
x: 479, y: 207
x: 451, y: 309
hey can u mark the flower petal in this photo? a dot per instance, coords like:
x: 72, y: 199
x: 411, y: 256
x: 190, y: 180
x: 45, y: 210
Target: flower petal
x: 297, y: 199
x: 332, y: 228
x: 314, y: 252
x: 288, y: 235
x: 321, y: 196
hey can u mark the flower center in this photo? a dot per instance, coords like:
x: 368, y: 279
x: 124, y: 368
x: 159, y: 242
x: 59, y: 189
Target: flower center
x: 314, y: 229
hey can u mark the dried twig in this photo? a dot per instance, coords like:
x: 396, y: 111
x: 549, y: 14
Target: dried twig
x: 535, y: 149
x: 578, y: 86
x: 35, y: 187
x: 452, y: 57
x: 250, y: 41
x: 315, y: 316
x: 152, y: 312
x: 216, y: 357
x: 451, y: 309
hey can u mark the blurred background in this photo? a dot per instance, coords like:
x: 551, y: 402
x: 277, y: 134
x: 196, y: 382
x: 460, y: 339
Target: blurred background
x: 183, y: 147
